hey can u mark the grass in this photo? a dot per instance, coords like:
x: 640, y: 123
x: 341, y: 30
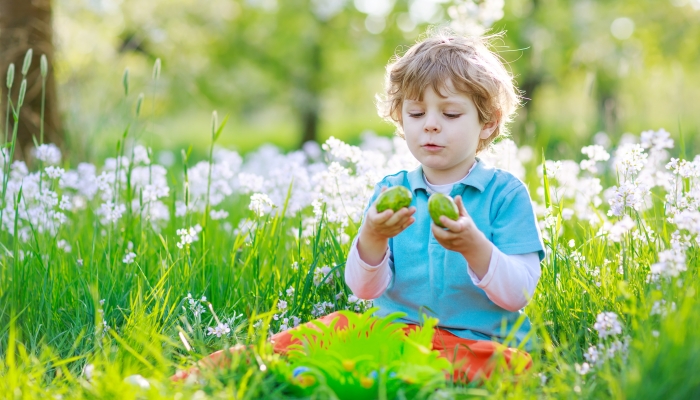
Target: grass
x: 82, y: 322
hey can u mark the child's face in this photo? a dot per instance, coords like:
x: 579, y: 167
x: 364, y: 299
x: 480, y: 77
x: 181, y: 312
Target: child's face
x: 443, y: 133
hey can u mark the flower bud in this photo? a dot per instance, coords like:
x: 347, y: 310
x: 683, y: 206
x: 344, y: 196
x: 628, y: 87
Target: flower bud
x: 10, y: 75
x: 27, y: 62
x: 125, y: 81
x: 139, y: 101
x: 44, y: 66
x: 22, y: 92
x: 156, y: 70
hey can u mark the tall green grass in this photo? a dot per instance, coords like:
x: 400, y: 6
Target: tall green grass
x: 81, y: 324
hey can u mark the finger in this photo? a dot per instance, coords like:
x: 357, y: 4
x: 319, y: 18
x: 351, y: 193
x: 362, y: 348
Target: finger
x: 439, y: 233
x: 408, y: 223
x: 398, y: 218
x: 460, y: 207
x: 453, y: 226
x: 382, y: 217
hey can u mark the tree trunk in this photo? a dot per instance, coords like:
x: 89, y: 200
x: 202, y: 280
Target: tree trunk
x: 311, y: 100
x: 24, y: 25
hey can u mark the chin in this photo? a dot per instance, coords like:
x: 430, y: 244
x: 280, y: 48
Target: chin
x: 433, y: 166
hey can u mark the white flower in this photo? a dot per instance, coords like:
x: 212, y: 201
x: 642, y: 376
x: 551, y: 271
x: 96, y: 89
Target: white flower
x: 218, y: 214
x: 660, y: 139
x: 683, y: 168
x: 321, y: 273
x: 592, y: 355
x: 630, y: 159
x: 620, y: 228
x: 688, y: 220
x: 141, y: 155
x: 353, y: 299
x: 290, y: 291
x: 195, y: 305
x: 671, y: 263
x: 88, y: 371
x: 139, y: 381
x: 47, y: 153
x: 282, y: 305
x: 322, y: 308
x: 607, y: 325
x: 54, y: 172
x: 219, y: 330
x: 260, y: 204
x: 63, y: 245
x: 129, y: 258
x: 111, y: 212
x: 628, y: 194
x: 595, y: 153
x: 188, y: 236
x: 583, y: 369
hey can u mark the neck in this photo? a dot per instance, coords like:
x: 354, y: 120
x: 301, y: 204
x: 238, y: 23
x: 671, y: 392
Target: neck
x: 443, y: 177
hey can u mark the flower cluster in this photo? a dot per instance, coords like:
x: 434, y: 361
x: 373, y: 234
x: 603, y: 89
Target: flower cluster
x: 196, y: 306
x: 219, y: 330
x: 323, y: 275
x: 607, y: 325
x: 188, y: 236
x: 283, y: 306
x: 322, y: 308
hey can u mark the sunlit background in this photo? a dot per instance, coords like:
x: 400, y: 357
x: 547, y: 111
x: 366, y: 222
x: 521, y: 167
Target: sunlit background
x: 288, y: 71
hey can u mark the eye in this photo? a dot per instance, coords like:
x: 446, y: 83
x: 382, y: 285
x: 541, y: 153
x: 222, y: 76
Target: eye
x: 415, y: 114
x: 450, y: 115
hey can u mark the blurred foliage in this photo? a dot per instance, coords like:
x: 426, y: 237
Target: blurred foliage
x: 585, y: 66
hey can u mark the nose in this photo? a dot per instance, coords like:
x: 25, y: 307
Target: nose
x: 432, y: 125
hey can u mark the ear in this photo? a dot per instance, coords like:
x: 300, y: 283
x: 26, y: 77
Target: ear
x: 489, y: 127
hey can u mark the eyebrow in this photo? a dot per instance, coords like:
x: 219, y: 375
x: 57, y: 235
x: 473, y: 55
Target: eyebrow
x: 441, y: 102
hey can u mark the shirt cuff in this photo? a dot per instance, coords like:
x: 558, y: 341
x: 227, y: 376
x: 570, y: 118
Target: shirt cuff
x: 493, y: 264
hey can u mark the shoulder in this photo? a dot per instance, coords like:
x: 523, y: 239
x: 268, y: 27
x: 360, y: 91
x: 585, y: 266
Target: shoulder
x: 504, y: 183
x: 397, y: 179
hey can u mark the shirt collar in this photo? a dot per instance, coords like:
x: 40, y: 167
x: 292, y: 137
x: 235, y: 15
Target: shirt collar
x: 478, y: 178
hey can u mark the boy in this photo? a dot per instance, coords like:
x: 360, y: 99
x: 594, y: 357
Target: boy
x: 449, y: 97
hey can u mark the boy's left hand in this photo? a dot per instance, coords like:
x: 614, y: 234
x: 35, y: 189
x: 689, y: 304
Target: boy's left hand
x: 464, y: 237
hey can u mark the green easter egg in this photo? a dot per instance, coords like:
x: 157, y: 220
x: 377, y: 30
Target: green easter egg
x: 394, y: 198
x: 438, y: 205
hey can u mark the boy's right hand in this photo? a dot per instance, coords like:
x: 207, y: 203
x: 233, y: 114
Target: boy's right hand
x: 378, y: 228
x: 388, y: 223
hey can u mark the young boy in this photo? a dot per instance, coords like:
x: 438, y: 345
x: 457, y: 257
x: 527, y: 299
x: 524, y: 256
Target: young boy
x: 449, y: 97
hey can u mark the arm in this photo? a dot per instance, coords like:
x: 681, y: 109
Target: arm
x: 510, y: 280
x: 367, y: 281
x: 368, y: 260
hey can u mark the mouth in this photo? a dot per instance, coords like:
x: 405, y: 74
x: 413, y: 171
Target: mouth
x: 432, y: 147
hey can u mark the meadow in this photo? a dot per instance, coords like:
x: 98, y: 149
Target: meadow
x: 115, y: 276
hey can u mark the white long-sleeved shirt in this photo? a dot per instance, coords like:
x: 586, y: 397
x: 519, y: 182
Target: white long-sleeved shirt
x: 509, y: 282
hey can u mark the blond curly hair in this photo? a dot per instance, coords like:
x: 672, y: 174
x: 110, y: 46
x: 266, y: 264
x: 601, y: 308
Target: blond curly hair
x: 468, y: 62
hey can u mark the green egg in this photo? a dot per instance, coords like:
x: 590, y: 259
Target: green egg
x: 394, y: 198
x: 439, y: 205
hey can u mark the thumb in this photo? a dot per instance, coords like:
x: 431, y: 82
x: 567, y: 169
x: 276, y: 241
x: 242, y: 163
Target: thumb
x: 460, y: 206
